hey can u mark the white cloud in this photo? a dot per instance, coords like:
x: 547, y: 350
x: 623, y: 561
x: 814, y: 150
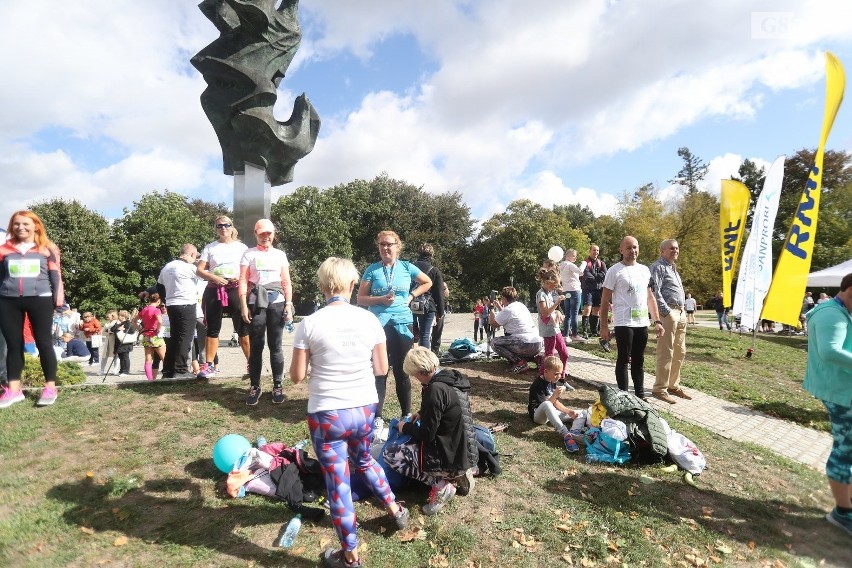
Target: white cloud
x: 521, y: 97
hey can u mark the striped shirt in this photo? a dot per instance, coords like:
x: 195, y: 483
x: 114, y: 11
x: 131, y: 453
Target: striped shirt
x: 667, y: 286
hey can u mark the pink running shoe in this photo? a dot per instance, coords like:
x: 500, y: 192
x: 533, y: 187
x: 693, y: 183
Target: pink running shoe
x: 48, y: 396
x: 9, y: 397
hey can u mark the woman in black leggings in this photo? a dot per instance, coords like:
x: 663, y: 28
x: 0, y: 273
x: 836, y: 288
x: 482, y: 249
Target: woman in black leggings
x: 30, y: 285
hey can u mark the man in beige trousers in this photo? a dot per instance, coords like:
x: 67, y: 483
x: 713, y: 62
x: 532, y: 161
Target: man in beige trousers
x: 671, y: 347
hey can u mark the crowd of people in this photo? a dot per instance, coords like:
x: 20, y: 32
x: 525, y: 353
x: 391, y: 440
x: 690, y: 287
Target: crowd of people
x: 349, y: 351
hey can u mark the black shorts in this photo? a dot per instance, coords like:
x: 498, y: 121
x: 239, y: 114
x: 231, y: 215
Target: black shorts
x: 592, y: 298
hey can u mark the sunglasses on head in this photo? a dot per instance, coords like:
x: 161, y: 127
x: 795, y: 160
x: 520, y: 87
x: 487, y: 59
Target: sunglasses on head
x: 223, y: 225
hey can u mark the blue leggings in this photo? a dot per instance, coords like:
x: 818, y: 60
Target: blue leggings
x: 839, y: 465
x: 341, y: 436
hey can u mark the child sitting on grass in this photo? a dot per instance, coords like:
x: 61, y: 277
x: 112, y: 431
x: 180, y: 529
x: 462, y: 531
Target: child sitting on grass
x: 544, y: 405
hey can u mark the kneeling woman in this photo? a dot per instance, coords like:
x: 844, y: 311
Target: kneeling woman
x: 443, y: 447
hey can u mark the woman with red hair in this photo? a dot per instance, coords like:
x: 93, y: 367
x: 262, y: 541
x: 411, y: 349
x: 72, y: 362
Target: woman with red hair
x: 30, y: 285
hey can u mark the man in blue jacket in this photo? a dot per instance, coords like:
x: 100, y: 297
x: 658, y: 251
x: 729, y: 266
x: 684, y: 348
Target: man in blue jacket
x: 829, y: 378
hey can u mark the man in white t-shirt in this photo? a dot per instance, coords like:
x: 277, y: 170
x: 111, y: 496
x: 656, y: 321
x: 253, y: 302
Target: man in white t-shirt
x: 178, y: 284
x: 628, y: 287
x: 521, y: 341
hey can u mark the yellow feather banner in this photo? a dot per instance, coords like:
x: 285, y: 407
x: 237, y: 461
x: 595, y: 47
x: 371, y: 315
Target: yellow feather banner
x: 732, y: 219
x: 791, y: 273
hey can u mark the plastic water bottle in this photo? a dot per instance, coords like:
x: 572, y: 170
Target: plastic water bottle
x: 302, y: 445
x: 288, y: 325
x: 261, y: 441
x: 289, y: 532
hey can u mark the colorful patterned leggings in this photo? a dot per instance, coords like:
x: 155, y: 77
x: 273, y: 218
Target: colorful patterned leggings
x: 338, y: 437
x: 839, y: 465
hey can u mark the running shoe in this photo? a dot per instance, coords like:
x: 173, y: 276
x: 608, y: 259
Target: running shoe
x: 48, y: 396
x: 519, y: 367
x: 8, y: 398
x: 253, y: 396
x: 438, y: 498
x: 278, y: 395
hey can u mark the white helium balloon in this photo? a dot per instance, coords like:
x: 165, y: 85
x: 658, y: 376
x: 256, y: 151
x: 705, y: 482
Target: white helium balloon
x: 555, y: 253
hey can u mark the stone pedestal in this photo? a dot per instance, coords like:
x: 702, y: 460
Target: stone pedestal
x: 252, y: 200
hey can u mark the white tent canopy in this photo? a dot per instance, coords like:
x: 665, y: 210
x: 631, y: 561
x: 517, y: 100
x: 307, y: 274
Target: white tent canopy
x: 829, y: 277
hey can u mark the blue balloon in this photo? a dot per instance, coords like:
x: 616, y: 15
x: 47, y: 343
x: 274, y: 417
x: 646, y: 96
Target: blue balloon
x: 229, y: 449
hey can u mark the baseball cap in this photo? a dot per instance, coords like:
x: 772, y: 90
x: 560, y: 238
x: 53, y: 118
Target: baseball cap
x: 264, y: 226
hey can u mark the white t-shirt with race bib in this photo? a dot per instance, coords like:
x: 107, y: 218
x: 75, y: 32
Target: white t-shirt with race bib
x: 223, y: 259
x: 264, y: 267
x: 629, y: 285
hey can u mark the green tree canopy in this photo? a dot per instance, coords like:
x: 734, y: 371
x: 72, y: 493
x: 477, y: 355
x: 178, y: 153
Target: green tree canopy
x: 693, y: 171
x: 512, y: 245
x: 157, y: 226
x: 92, y: 258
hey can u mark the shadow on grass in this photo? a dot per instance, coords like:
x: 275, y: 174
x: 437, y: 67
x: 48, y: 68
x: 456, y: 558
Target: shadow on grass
x: 172, y: 511
x: 778, y: 523
x: 231, y: 397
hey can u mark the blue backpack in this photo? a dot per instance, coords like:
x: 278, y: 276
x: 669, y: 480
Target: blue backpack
x: 602, y: 447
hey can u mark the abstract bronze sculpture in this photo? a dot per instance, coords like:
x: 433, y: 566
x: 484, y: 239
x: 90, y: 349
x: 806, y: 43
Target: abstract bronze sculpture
x: 243, y: 69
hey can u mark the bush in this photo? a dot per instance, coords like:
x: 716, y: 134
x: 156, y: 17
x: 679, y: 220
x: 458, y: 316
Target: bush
x: 67, y: 373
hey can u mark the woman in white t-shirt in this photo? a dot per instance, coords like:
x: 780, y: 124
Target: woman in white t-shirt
x: 521, y: 341
x: 266, y: 304
x: 569, y: 273
x: 346, y: 349
x: 219, y: 265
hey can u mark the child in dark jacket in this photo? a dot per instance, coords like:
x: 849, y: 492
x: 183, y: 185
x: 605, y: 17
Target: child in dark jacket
x: 443, y: 447
x: 544, y: 405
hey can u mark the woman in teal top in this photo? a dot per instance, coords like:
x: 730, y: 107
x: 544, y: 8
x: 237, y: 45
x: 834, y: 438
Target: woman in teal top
x: 829, y: 378
x: 386, y: 290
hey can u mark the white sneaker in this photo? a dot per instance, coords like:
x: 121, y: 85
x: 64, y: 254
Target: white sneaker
x: 380, y: 431
x: 438, y: 498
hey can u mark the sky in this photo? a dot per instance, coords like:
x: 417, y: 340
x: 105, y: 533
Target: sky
x: 558, y: 101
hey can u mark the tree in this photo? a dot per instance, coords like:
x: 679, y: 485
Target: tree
x: 345, y: 219
x: 207, y: 211
x: 753, y: 178
x: 91, y: 256
x: 578, y: 216
x: 512, y: 245
x: 156, y: 228
x: 692, y: 172
x: 311, y: 228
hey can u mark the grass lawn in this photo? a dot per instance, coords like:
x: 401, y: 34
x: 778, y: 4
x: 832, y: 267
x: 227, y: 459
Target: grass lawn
x: 770, y: 381
x: 123, y: 477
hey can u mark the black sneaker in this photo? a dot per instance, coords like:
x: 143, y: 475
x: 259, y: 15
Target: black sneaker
x: 253, y: 396
x: 278, y: 395
x: 605, y: 345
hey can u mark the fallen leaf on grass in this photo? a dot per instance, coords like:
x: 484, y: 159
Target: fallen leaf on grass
x: 563, y: 528
x: 87, y: 530
x: 298, y: 551
x: 788, y: 534
x: 120, y: 541
x: 724, y: 549
x: 414, y: 533
x: 715, y: 559
x: 646, y: 479
x: 751, y: 545
x: 707, y: 511
x: 324, y: 542
x: 90, y: 474
x: 630, y: 493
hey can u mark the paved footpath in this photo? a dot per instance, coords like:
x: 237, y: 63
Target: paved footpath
x: 727, y: 419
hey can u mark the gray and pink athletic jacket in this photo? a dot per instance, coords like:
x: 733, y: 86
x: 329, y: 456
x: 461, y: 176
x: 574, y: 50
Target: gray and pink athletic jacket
x: 34, y: 273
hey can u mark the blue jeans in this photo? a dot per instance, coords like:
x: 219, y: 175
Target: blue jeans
x: 424, y: 324
x: 571, y: 307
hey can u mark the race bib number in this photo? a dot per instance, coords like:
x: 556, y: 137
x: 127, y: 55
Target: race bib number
x: 265, y: 265
x: 637, y: 314
x: 229, y: 271
x: 24, y: 267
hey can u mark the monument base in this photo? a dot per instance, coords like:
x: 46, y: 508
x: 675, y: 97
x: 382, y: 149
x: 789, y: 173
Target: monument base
x: 252, y: 200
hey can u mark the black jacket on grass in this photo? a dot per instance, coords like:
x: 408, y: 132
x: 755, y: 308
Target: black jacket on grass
x: 445, y: 430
